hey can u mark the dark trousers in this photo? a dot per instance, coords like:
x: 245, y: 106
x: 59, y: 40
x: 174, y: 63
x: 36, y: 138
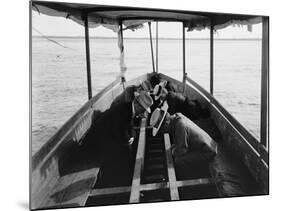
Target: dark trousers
x: 193, y: 165
x: 117, y: 168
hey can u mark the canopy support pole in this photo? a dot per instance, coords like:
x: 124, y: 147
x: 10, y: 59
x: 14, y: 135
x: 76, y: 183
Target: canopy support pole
x: 183, y: 53
x: 184, y: 77
x: 88, y: 59
x: 264, y: 82
x: 157, y: 46
x: 212, y: 57
x: 123, y: 80
x: 151, y: 46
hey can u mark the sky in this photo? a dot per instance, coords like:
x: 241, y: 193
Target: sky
x: 58, y: 26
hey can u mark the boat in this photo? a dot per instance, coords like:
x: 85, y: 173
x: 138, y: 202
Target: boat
x: 63, y: 173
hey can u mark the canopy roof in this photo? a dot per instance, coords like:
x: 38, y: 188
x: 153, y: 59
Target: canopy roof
x: 132, y: 17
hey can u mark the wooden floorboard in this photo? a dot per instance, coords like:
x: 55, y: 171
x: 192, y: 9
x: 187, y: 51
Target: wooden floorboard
x: 135, y: 188
x: 55, y: 196
x: 72, y: 189
x: 174, y: 193
x: 109, y: 191
x: 81, y: 186
x: 195, y: 182
x: 151, y: 187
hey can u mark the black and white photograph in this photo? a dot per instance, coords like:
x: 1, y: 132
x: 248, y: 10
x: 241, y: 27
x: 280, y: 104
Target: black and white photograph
x: 137, y: 104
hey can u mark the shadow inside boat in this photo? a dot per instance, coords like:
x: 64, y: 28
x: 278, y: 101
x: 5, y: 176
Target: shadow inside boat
x: 99, y: 149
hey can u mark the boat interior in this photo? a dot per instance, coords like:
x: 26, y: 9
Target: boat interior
x: 73, y: 174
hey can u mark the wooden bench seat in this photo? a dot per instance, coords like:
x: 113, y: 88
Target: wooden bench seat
x: 72, y: 189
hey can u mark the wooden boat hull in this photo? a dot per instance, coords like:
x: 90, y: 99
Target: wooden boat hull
x: 47, y: 173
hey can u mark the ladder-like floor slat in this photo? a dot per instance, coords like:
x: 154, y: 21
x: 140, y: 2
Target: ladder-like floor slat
x: 151, y: 187
x: 194, y: 182
x: 154, y: 159
x: 171, y: 170
x: 155, y: 167
x: 110, y: 191
x: 154, y: 174
x: 135, y: 188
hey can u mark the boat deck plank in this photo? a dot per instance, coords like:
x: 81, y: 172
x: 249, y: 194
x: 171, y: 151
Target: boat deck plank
x: 135, y: 188
x: 171, y: 170
x: 72, y: 189
x: 79, y: 170
x: 151, y: 187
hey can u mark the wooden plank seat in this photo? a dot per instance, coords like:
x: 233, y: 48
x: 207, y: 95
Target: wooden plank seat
x: 79, y: 168
x: 72, y: 189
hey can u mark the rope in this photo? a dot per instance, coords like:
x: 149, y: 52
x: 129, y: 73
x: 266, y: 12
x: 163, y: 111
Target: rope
x: 151, y: 46
x: 51, y: 40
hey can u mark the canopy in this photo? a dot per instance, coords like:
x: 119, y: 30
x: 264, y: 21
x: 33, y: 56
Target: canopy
x: 132, y: 18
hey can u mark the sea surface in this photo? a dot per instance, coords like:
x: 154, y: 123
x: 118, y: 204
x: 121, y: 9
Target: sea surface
x: 59, y: 80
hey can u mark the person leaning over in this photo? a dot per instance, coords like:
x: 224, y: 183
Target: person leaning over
x: 112, y: 134
x: 192, y: 147
x: 177, y: 102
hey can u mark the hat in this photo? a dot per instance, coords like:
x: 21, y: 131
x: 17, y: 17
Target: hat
x: 144, y: 99
x: 157, y: 91
x: 146, y: 85
x: 157, y: 118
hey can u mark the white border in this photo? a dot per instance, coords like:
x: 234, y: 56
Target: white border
x: 15, y: 104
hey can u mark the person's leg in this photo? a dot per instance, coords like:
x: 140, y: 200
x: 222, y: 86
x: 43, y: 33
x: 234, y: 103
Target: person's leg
x: 193, y: 164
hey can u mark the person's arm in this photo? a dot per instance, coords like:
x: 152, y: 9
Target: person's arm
x: 131, y: 133
x: 123, y: 132
x: 120, y: 121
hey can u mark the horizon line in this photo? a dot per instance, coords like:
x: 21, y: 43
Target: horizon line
x: 163, y: 38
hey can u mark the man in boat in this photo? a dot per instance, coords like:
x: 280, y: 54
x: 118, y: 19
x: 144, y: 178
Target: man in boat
x: 114, y: 134
x: 177, y: 102
x: 114, y: 124
x: 128, y: 94
x: 192, y: 148
x: 156, y: 95
x: 156, y: 79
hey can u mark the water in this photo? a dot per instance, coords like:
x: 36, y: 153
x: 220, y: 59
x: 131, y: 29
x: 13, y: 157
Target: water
x: 59, y: 85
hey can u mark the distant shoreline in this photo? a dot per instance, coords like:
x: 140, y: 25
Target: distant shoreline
x: 145, y: 38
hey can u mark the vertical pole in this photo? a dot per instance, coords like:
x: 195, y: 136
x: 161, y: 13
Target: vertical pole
x: 121, y: 33
x: 122, y: 52
x: 31, y: 205
x: 88, y: 59
x: 212, y: 57
x: 151, y: 46
x: 264, y: 82
x: 183, y: 52
x: 157, y: 46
